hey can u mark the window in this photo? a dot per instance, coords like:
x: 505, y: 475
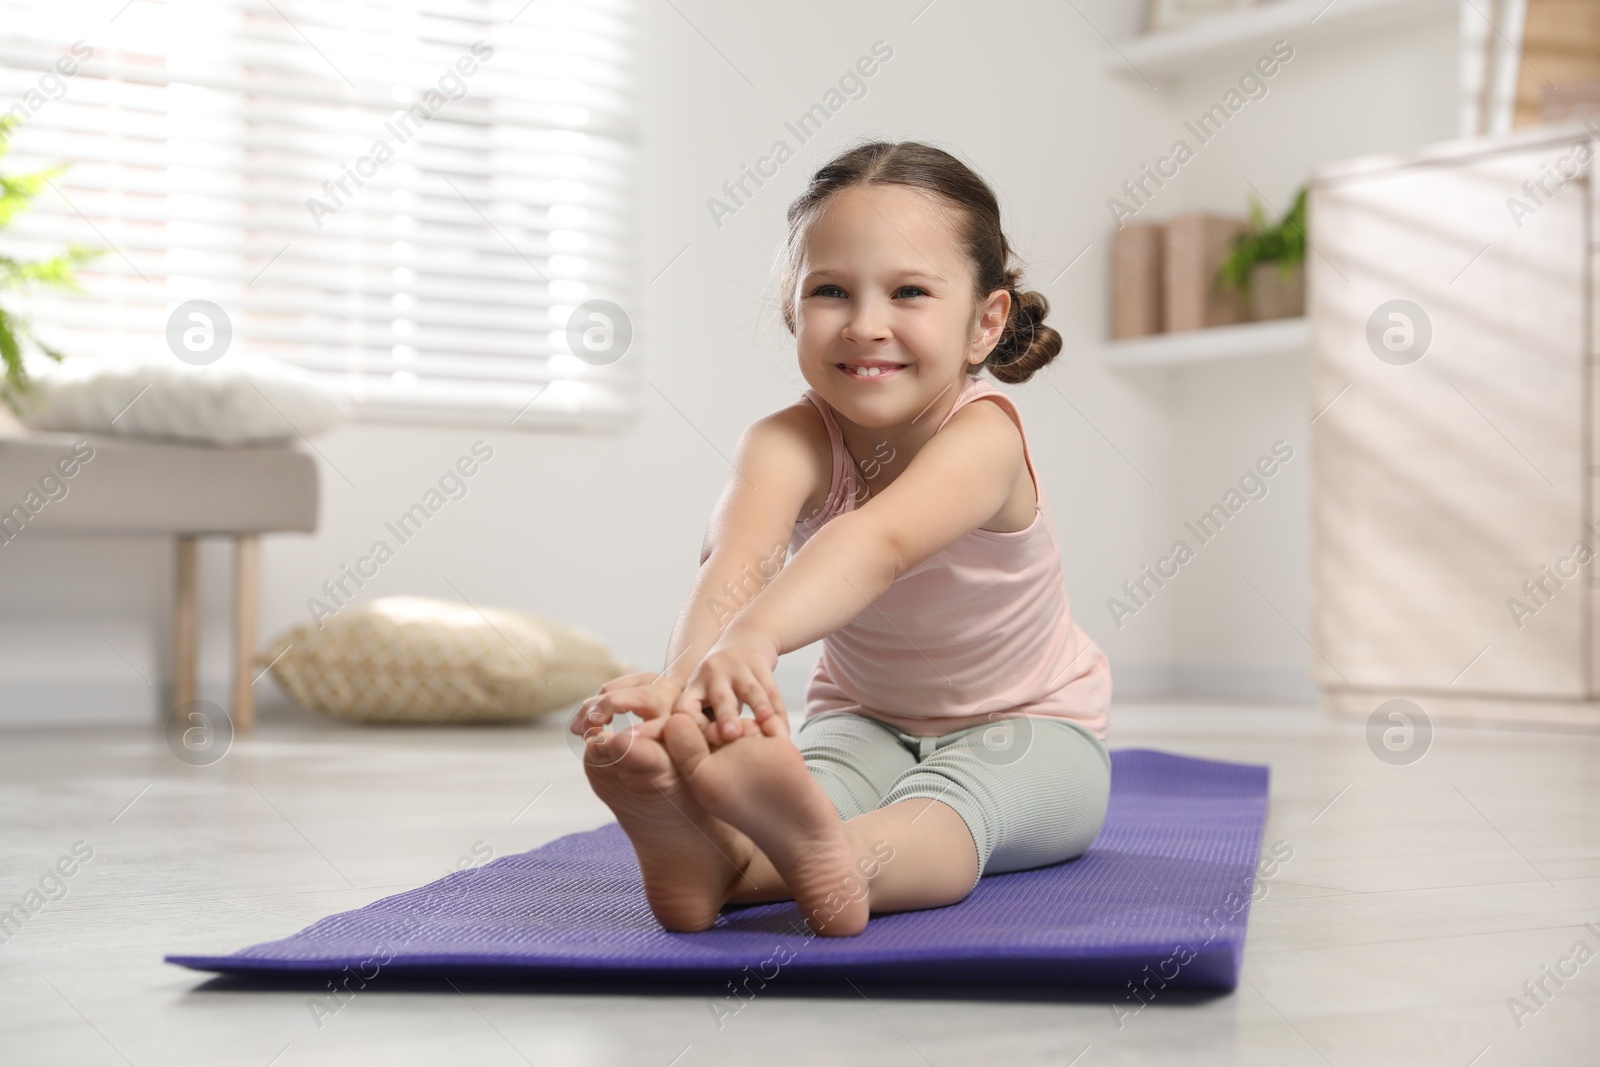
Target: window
x: 411, y: 198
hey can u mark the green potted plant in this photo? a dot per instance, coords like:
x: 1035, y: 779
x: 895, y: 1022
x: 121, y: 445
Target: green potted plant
x: 1267, y: 263
x: 16, y: 196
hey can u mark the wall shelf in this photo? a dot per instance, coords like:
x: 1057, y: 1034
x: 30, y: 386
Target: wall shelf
x: 1175, y: 54
x: 1273, y: 337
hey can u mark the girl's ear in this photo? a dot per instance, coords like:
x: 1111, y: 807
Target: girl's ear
x: 991, y: 323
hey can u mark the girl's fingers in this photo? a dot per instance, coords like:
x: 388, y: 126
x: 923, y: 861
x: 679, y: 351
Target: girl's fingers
x: 725, y: 694
x: 587, y: 716
x: 725, y: 707
x: 625, y: 680
x: 753, y: 693
x: 607, y: 707
x: 777, y: 698
x: 771, y: 701
x: 635, y: 701
x: 690, y: 699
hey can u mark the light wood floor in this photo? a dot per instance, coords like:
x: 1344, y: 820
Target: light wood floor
x: 1419, y: 899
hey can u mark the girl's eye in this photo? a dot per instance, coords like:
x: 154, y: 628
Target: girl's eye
x: 826, y: 290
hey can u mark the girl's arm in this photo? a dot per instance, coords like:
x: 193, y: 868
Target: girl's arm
x: 958, y: 481
x: 776, y: 469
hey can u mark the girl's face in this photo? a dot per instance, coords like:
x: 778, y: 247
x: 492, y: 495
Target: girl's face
x: 883, y: 283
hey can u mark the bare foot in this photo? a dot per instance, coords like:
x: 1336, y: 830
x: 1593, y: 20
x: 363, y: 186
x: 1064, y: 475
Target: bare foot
x: 759, y: 784
x: 690, y: 860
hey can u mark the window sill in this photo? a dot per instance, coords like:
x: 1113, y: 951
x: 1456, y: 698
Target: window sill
x: 559, y: 407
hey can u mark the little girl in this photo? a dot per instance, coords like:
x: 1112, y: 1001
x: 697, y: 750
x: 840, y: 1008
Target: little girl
x: 956, y: 719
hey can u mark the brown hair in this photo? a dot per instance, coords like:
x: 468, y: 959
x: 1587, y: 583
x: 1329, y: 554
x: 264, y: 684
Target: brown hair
x: 1026, y: 344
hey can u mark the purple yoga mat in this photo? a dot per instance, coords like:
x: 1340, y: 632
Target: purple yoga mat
x: 1166, y: 886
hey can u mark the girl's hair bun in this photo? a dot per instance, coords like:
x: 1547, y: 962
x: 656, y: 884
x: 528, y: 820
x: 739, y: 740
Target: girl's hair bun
x: 1026, y: 344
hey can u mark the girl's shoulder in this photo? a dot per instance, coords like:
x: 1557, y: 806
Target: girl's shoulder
x: 802, y: 424
x: 1002, y: 419
x: 800, y: 435
x: 1000, y: 416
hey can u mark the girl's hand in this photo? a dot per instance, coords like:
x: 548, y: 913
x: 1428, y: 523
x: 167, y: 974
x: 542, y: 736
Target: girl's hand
x: 737, y: 670
x: 647, y: 694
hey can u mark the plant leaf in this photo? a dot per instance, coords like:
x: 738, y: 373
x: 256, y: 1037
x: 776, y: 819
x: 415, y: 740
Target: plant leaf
x: 16, y: 378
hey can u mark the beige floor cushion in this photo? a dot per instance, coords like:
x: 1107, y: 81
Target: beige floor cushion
x: 413, y: 659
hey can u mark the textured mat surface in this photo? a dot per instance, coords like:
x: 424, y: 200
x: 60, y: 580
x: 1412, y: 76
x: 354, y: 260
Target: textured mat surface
x: 1166, y: 886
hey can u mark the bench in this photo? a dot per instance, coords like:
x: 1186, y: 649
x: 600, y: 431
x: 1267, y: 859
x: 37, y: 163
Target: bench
x: 67, y: 484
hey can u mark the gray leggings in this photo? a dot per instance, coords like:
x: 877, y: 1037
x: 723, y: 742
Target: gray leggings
x: 1032, y: 789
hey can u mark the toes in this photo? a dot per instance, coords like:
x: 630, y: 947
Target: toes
x: 686, y: 743
x: 605, y: 747
x: 632, y: 748
x: 714, y: 731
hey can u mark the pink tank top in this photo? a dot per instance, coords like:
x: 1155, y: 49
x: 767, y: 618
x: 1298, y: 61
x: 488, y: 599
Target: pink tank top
x: 977, y: 631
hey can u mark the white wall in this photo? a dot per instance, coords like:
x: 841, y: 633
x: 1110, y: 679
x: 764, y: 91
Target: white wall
x: 605, y: 532
x: 1382, y: 92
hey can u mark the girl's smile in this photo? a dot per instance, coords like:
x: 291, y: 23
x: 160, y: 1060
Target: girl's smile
x: 871, y: 370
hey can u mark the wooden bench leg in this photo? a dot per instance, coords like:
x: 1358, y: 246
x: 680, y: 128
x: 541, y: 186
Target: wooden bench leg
x: 246, y: 613
x: 186, y: 627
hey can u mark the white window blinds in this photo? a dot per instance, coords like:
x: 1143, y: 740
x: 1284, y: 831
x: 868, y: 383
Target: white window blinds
x: 410, y: 198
